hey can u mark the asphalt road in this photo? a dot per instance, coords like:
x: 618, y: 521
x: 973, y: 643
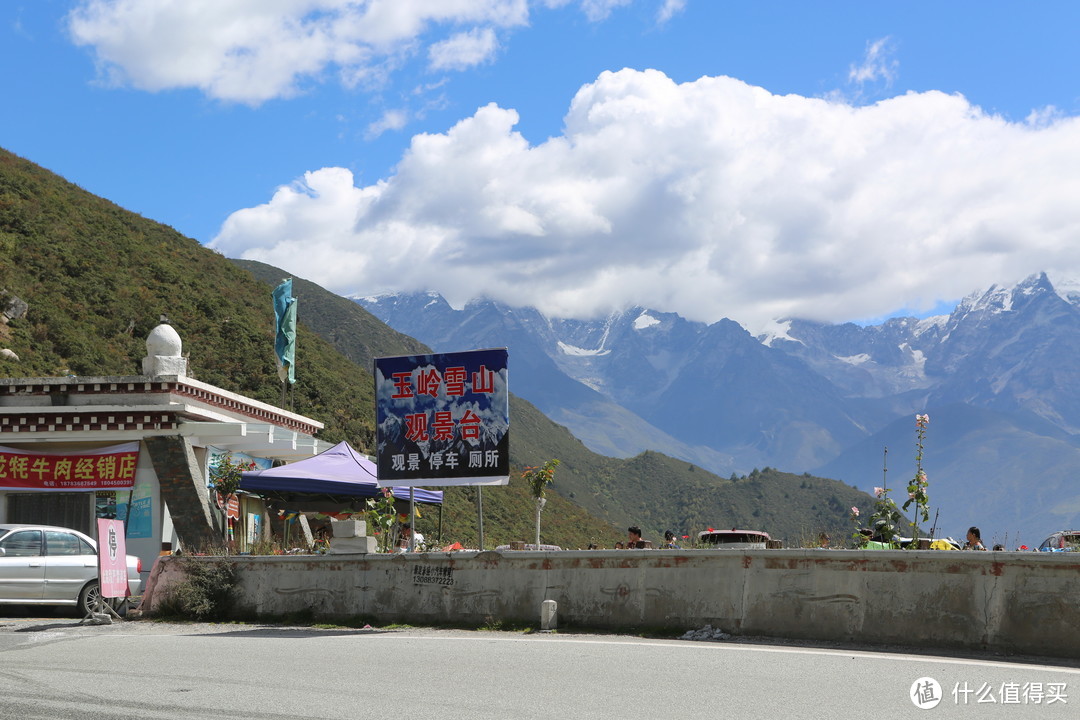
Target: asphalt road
x: 56, y: 668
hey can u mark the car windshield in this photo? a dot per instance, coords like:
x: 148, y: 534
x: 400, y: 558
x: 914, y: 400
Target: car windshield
x: 733, y: 537
x: 22, y: 543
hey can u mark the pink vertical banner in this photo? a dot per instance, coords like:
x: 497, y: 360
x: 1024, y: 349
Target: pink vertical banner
x: 112, y: 559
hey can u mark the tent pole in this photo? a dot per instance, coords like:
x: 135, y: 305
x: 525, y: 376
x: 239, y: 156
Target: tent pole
x: 412, y: 519
x: 127, y: 514
x: 440, y: 519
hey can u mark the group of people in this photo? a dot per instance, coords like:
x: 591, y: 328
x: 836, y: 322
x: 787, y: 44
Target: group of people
x: 634, y: 541
x: 973, y: 541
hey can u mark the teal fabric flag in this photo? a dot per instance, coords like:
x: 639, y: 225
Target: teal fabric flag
x: 285, y: 342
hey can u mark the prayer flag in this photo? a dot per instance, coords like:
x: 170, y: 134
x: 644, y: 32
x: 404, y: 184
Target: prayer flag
x: 285, y: 342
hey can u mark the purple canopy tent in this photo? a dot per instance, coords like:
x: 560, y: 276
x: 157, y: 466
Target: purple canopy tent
x: 339, y: 472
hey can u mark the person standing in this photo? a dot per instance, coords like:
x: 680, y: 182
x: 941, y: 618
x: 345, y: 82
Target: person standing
x: 407, y: 534
x: 633, y: 538
x: 974, y: 539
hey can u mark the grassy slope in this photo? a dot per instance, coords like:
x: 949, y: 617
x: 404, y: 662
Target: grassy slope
x: 97, y: 278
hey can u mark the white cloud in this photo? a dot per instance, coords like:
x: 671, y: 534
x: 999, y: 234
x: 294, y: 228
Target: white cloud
x: 710, y: 198
x: 669, y: 9
x: 1044, y: 116
x: 879, y: 64
x: 597, y: 10
x: 390, y: 120
x: 463, y: 50
x: 250, y: 51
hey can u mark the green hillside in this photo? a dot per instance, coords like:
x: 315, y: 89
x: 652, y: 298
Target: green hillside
x: 359, y: 336
x: 97, y: 278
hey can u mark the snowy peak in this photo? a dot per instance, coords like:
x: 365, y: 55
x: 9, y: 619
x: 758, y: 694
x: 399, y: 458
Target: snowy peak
x: 1068, y: 289
x: 580, y: 352
x: 644, y: 320
x: 777, y: 331
x: 398, y: 303
x: 999, y: 299
x: 935, y: 323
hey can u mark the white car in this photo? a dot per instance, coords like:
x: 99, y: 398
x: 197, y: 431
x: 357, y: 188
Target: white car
x: 47, y: 565
x: 1063, y: 541
x: 734, y: 539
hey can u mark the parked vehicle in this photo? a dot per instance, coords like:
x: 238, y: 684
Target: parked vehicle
x: 48, y: 565
x: 734, y: 539
x: 945, y: 543
x: 905, y: 543
x: 1062, y: 541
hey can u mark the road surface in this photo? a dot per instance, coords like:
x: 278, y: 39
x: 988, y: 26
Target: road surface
x: 56, y: 668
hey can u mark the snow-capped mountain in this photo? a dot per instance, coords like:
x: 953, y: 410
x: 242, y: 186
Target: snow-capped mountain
x: 642, y: 379
x: 874, y: 361
x: 807, y: 396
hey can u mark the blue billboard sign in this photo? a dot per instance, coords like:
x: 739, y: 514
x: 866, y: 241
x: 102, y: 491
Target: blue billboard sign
x: 443, y: 419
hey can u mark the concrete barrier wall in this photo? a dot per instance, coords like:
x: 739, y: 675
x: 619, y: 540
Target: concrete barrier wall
x: 1010, y: 602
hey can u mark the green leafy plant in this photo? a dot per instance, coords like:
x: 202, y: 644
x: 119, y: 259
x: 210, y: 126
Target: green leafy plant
x: 381, y: 516
x: 885, y: 520
x: 858, y: 537
x: 225, y: 474
x: 917, y: 494
x: 225, y: 481
x: 538, y: 478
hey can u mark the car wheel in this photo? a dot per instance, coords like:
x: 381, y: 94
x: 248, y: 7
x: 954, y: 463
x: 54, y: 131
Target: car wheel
x: 90, y: 600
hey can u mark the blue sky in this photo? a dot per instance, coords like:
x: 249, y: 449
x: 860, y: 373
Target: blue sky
x: 839, y: 161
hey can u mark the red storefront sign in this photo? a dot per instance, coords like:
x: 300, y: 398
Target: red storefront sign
x: 107, y: 468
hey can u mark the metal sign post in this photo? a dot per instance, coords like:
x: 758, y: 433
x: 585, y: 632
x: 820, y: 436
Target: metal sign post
x: 480, y: 514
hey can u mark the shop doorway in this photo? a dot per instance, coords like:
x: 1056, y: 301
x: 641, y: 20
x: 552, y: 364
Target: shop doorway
x: 70, y: 510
